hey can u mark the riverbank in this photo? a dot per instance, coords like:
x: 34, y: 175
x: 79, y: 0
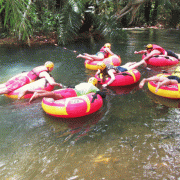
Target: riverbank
x: 44, y: 39
x: 36, y: 40
x: 51, y: 38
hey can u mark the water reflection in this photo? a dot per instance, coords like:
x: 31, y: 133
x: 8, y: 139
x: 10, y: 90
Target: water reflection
x: 125, y: 89
x: 73, y: 128
x: 171, y: 103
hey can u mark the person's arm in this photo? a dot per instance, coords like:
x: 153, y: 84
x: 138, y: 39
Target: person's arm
x: 98, y: 72
x: 112, y: 76
x: 140, y: 52
x: 50, y: 79
x: 109, y: 51
x: 152, y: 53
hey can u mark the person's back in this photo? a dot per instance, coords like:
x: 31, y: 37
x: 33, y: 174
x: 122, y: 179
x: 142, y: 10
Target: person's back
x: 85, y: 88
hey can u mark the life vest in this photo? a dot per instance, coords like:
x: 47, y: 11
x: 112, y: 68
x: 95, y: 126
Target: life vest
x: 159, y: 48
x: 34, y: 74
x: 106, y: 54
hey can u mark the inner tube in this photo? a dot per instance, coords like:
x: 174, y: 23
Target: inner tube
x: 121, y: 79
x: 169, y: 91
x: 113, y: 60
x: 72, y: 107
x: 161, y: 60
x: 40, y: 84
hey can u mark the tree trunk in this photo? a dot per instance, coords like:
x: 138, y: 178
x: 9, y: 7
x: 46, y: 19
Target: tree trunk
x: 154, y: 13
x: 147, y: 9
x: 175, y: 15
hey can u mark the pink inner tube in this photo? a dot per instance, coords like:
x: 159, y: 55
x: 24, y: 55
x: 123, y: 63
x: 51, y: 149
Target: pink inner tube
x: 161, y: 60
x: 122, y: 78
x: 72, y: 107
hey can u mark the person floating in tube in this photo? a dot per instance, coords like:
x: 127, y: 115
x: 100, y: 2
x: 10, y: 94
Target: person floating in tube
x: 153, y: 50
x: 162, y: 80
x: 110, y: 70
x: 80, y: 89
x: 104, y: 52
x: 28, y: 77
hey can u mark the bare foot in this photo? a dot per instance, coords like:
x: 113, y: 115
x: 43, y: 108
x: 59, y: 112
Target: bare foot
x: 149, y: 69
x: 34, y: 96
x: 156, y: 90
x: 20, y: 95
x: 141, y: 84
x: 79, y: 56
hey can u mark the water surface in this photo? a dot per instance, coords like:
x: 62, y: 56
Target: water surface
x: 135, y: 135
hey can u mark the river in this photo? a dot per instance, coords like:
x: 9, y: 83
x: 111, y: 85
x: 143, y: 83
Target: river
x: 135, y: 135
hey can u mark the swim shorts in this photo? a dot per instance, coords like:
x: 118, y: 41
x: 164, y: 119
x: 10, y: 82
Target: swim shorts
x: 17, y: 82
x: 174, y: 78
x: 121, y: 69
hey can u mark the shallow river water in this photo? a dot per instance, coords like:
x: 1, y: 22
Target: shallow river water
x: 135, y: 135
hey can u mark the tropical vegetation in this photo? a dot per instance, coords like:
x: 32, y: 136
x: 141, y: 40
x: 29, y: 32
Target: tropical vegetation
x: 69, y: 19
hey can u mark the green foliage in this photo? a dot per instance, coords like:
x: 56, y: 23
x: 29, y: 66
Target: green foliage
x: 162, y: 15
x: 17, y: 15
x: 110, y: 29
x: 69, y: 22
x: 46, y: 16
x: 46, y: 21
x: 106, y: 22
x: 24, y: 17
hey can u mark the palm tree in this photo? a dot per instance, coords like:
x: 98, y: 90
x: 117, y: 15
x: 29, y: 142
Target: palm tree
x: 16, y: 14
x: 23, y: 17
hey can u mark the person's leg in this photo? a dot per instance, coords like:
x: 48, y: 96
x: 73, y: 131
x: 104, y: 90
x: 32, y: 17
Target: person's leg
x: 85, y: 57
x: 137, y: 64
x: 171, y: 53
x: 3, y: 89
x: 128, y: 64
x: 97, y: 57
x: 31, y: 88
x: 49, y: 94
x: 165, y: 82
x: 2, y: 86
x: 22, y: 93
x: 154, y: 78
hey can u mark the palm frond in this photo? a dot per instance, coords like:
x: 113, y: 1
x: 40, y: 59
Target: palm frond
x: 17, y: 17
x: 110, y: 29
x: 69, y: 23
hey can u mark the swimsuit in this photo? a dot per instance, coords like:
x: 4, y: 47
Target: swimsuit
x: 17, y: 82
x: 174, y: 78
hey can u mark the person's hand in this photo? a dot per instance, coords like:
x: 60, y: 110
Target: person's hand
x: 62, y: 86
x: 104, y: 85
x: 58, y: 84
x: 135, y: 52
